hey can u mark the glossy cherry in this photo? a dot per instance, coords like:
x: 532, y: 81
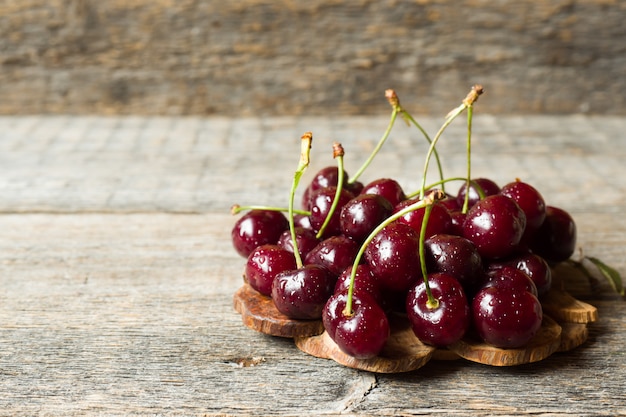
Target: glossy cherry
x: 393, y: 255
x: 439, y: 220
x: 529, y: 200
x: 510, y: 278
x: 495, y: 225
x: 305, y: 240
x: 361, y: 334
x: 534, y: 266
x: 264, y: 263
x: 335, y: 254
x: 488, y: 186
x: 456, y: 256
x: 555, y: 241
x: 256, y: 228
x: 320, y: 205
x: 448, y: 321
x: 302, y: 293
x: 504, y: 318
x: 388, y: 188
x: 360, y: 216
x: 324, y: 178
x: 364, y: 281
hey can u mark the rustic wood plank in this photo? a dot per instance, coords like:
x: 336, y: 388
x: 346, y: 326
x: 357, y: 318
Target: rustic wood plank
x: 301, y: 57
x: 123, y: 314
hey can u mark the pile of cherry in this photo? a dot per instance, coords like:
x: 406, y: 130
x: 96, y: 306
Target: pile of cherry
x: 438, y: 275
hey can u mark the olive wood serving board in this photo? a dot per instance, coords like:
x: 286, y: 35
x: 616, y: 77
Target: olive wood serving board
x: 403, y: 352
x: 259, y: 313
x: 564, y: 328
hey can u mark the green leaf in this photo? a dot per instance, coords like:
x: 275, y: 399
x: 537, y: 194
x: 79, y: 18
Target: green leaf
x: 609, y: 273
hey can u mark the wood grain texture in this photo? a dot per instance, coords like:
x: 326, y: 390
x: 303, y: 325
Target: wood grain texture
x: 131, y: 314
x: 292, y: 57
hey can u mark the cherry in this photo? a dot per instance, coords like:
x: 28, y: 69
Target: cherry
x: 363, y: 332
x: 455, y: 256
x: 529, y: 200
x: 495, y: 225
x: 387, y: 188
x: 301, y: 220
x: 504, y: 318
x: 360, y: 216
x: 393, y: 255
x: 457, y: 219
x: 510, y: 278
x: 445, y: 323
x: 364, y: 281
x: 264, y: 263
x: 450, y: 203
x: 555, y: 241
x: 305, y: 240
x: 438, y: 222
x: 324, y: 178
x: 534, y: 266
x: 335, y: 254
x: 256, y: 228
x: 302, y: 293
x: 320, y: 205
x: 488, y: 186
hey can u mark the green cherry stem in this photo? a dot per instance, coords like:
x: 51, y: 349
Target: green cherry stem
x: 338, y: 154
x: 410, y: 118
x: 470, y: 99
x: 470, y: 111
x: 305, y: 152
x: 236, y: 209
x: 415, y: 206
x: 393, y: 100
x: 432, y: 302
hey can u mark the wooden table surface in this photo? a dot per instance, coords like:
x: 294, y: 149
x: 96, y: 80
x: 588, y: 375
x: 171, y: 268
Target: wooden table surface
x: 123, y: 305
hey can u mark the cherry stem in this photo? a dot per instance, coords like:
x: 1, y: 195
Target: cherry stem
x: 236, y: 209
x: 469, y: 100
x: 470, y: 111
x: 432, y: 302
x: 305, y: 152
x: 338, y: 154
x: 415, y: 206
x: 393, y: 100
x: 407, y: 116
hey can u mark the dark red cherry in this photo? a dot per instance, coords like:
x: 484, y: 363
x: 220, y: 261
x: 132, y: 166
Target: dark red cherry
x: 321, y: 203
x: 457, y: 219
x: 504, y: 318
x: 393, y: 255
x: 387, y: 188
x: 555, y: 241
x: 302, y: 293
x: 510, y: 278
x: 324, y: 178
x: 450, y: 203
x: 335, y: 254
x: 302, y: 220
x: 364, y: 281
x: 532, y: 265
x: 444, y: 324
x: 488, y: 186
x: 439, y: 220
x: 264, y: 263
x: 529, y: 200
x: 455, y: 256
x: 362, y: 334
x: 305, y: 240
x: 360, y: 216
x: 495, y: 225
x: 256, y: 228
x: 537, y: 269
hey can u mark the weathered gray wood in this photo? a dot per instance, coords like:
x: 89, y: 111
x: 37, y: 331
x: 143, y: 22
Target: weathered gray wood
x: 309, y: 57
x: 116, y: 308
x: 123, y: 314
